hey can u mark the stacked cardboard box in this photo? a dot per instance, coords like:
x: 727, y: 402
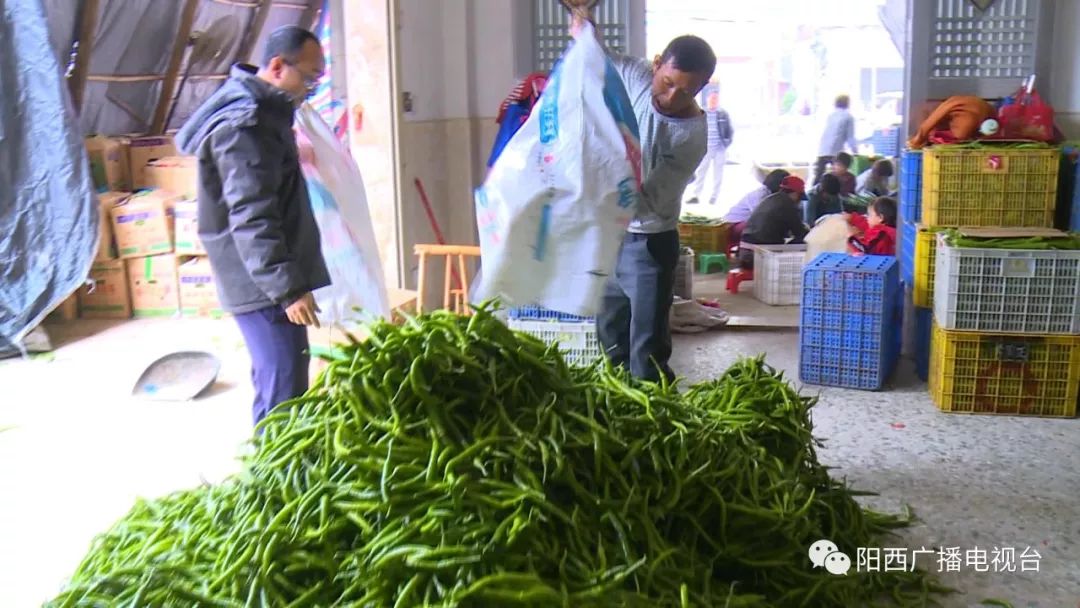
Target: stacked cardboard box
x: 197, y: 291
x: 151, y: 262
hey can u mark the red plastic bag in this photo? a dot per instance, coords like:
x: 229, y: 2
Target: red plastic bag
x: 1028, y: 117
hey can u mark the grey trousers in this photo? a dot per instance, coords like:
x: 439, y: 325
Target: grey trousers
x: 633, y: 322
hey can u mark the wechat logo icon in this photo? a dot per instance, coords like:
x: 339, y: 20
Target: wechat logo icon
x: 825, y: 554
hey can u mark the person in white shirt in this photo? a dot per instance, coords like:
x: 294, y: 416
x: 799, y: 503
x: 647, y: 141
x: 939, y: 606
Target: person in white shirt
x: 737, y: 215
x: 839, y: 131
x: 711, y: 171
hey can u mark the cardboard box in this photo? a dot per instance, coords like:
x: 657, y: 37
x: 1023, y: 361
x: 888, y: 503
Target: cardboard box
x: 106, y: 243
x: 109, y: 162
x: 153, y: 285
x: 68, y: 310
x: 143, y: 224
x: 177, y: 174
x: 186, y: 215
x: 143, y: 150
x: 198, y: 292
x: 110, y: 296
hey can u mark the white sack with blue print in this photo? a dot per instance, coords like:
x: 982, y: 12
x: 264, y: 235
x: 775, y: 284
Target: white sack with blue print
x: 555, y: 207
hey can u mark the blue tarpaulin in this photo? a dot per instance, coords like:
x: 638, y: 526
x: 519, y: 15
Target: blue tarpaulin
x: 48, y: 209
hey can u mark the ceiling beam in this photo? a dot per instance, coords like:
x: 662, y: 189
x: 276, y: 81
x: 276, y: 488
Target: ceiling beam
x: 254, y: 30
x: 310, y: 14
x: 168, y: 84
x: 87, y: 28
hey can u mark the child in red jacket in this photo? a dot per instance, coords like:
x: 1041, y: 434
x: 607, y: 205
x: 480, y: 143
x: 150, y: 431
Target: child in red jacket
x: 875, y: 233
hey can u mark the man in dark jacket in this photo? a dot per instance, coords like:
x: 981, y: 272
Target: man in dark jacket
x: 774, y: 220
x: 255, y: 220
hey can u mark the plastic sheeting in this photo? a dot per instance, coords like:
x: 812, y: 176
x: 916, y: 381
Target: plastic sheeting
x: 48, y: 209
x: 134, y: 40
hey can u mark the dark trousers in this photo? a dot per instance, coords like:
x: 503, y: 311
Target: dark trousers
x: 633, y: 322
x: 279, y: 357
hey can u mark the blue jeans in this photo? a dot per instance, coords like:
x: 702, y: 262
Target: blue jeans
x: 279, y: 357
x: 633, y: 322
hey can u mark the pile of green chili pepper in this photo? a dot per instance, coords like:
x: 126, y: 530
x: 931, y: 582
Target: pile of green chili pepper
x: 450, y: 462
x: 1071, y: 241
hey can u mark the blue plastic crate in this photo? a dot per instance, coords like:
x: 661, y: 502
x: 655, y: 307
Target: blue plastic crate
x: 1074, y: 218
x: 886, y: 142
x: 851, y: 319
x: 906, y: 253
x: 911, y: 186
x: 924, y: 322
x: 537, y: 313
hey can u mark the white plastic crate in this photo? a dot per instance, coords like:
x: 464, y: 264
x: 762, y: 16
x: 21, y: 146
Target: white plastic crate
x: 577, y: 341
x: 1007, y: 290
x: 778, y: 273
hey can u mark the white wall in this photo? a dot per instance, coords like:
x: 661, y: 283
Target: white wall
x: 458, y: 57
x: 1065, y: 67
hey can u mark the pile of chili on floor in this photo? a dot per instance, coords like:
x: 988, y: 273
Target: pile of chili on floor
x: 451, y: 462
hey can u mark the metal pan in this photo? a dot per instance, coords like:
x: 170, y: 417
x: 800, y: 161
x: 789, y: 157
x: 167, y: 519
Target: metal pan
x: 181, y: 376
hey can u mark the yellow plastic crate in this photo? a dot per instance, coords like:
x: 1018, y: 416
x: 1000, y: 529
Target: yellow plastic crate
x: 705, y: 238
x: 922, y: 292
x: 1016, y: 374
x: 990, y: 186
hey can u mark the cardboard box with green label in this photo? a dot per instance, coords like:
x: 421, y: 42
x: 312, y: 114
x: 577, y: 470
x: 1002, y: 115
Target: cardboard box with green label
x: 154, y: 289
x: 143, y: 224
x: 108, y: 296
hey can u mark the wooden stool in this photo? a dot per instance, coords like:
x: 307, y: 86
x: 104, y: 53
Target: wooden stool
x: 455, y: 299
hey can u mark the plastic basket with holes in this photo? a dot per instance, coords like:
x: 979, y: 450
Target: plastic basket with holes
x: 577, y: 341
x: 705, y: 238
x: 905, y: 254
x: 922, y: 285
x: 1007, y: 290
x: 911, y: 186
x: 539, y: 313
x: 851, y: 321
x: 778, y: 275
x: 1017, y: 374
x: 990, y: 186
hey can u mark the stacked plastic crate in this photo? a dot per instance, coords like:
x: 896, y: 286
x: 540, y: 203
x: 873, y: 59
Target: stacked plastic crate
x: 913, y: 240
x: 575, y: 336
x: 1006, y: 322
x: 849, y: 335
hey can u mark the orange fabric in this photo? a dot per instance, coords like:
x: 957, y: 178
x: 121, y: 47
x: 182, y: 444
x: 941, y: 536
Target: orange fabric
x: 961, y: 116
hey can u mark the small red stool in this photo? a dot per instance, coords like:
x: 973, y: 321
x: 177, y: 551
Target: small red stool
x: 738, y: 276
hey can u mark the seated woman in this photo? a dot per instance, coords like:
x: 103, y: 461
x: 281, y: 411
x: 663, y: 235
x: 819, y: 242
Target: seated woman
x: 875, y: 233
x: 875, y: 180
x: 824, y: 199
x: 740, y: 213
x: 774, y: 220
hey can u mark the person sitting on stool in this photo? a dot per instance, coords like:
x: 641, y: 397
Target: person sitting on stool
x: 775, y: 219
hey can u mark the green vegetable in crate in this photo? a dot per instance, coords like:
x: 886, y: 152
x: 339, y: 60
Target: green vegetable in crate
x: 450, y: 462
x: 957, y: 239
x: 700, y: 220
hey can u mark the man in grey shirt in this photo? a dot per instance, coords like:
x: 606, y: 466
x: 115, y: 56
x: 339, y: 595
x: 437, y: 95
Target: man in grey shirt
x: 633, y: 322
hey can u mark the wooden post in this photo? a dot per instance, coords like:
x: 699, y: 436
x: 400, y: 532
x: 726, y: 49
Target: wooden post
x: 258, y: 22
x: 87, y: 29
x: 172, y: 71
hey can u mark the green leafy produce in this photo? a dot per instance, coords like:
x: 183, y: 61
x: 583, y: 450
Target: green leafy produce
x: 957, y: 239
x: 450, y: 462
x: 700, y: 220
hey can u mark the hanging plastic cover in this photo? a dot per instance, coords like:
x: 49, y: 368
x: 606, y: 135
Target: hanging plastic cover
x: 554, y: 209
x: 48, y: 209
x: 357, y: 291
